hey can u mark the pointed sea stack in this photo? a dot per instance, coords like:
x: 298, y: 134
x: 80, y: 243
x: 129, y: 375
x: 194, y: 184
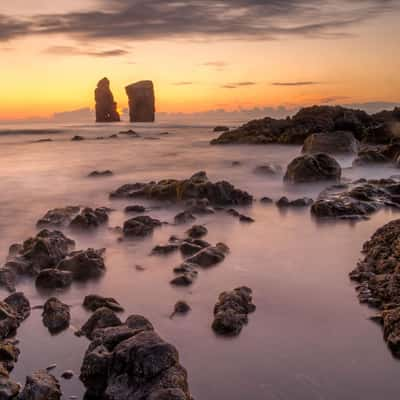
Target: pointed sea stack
x: 106, y: 107
x: 141, y: 101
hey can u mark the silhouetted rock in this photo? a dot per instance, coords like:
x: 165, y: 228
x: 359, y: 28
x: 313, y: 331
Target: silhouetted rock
x: 56, y: 316
x: 221, y: 128
x: 100, y: 174
x: 106, y: 107
x: 331, y: 142
x: 102, y: 318
x: 313, y: 168
x: 93, y: 302
x: 141, y: 101
x: 41, y: 386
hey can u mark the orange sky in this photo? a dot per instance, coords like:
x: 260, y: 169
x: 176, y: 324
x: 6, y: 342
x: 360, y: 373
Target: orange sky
x: 46, y: 73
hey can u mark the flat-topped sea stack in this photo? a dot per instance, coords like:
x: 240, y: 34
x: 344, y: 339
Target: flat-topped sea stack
x: 106, y: 107
x: 141, y: 101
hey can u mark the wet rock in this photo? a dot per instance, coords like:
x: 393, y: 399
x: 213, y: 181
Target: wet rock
x: 208, y: 257
x: 84, y: 264
x: 41, y: 386
x: 199, y: 207
x: 20, y: 304
x: 185, y: 279
x: 8, y: 389
x: 77, y: 138
x: 9, y: 354
x: 58, y: 217
x: 196, y: 187
x: 197, y: 231
x: 9, y: 321
x: 8, y: 279
x: 138, y: 322
x: 370, y: 156
x: 100, y: 174
x: 52, y: 278
x: 106, y: 107
x: 313, y: 168
x: 141, y: 101
x: 231, y: 311
x: 221, y: 128
x: 135, y: 209
x: 56, y: 315
x: 140, y: 226
x: 93, y: 302
x: 100, y: 319
x: 89, y: 218
x: 184, y: 218
x: 268, y: 169
x: 336, y: 142
x: 188, y: 247
x: 301, y: 202
x: 68, y: 374
x: 181, y: 307
x: 246, y: 219
x: 164, y: 250
x: 266, y: 200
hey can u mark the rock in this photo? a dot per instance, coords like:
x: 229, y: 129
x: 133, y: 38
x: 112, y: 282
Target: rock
x: 221, y: 128
x: 84, y: 264
x: 141, y: 101
x: 378, y: 155
x: 8, y: 279
x: 135, y: 209
x: 9, y: 320
x: 246, y: 219
x: 140, y: 226
x: 93, y: 302
x: 8, y: 388
x: 181, y: 307
x: 100, y: 319
x: 197, y: 231
x: 41, y: 386
x: 336, y: 142
x: 198, y: 207
x: 9, y: 354
x: 188, y: 247
x: 52, y: 278
x: 138, y: 322
x: 313, y: 168
x: 106, y: 107
x: 141, y: 366
x: 184, y: 218
x: 183, y: 280
x: 231, y: 311
x: 196, y: 187
x: 284, y: 202
x: 164, y: 249
x: 58, y: 217
x: 56, y: 316
x: 20, y: 304
x: 268, y: 169
x: 100, y: 174
x: 68, y: 374
x: 89, y: 219
x: 266, y: 200
x: 77, y: 138
x: 208, y: 257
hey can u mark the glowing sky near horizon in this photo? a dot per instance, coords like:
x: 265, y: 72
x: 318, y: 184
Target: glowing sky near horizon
x: 201, y: 55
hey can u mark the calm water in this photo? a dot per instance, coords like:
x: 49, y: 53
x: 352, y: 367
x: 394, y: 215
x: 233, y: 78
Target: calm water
x: 308, y: 339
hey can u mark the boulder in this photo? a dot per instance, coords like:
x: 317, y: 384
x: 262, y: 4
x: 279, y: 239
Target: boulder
x: 140, y: 226
x: 9, y: 354
x: 58, y: 217
x: 231, y: 311
x: 93, y: 302
x: 89, y: 219
x: 56, y: 315
x: 102, y: 318
x: 20, y: 304
x: 41, y: 386
x: 313, y: 168
x: 106, y: 107
x: 141, y: 101
x: 197, y: 231
x: 8, y: 279
x: 52, y: 278
x: 9, y: 320
x: 100, y: 174
x: 338, y: 142
x: 208, y: 257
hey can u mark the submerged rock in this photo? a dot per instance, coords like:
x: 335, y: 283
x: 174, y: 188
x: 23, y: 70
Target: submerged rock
x: 231, y: 311
x: 284, y: 202
x: 89, y: 218
x: 93, y: 302
x: 8, y: 279
x: 20, y: 304
x: 196, y: 187
x: 56, y: 316
x: 184, y: 217
x: 41, y: 386
x: 102, y: 318
x: 100, y: 174
x: 9, y: 321
x: 106, y: 107
x: 268, y: 169
x: 140, y: 226
x: 52, y: 278
x: 58, y: 217
x: 141, y: 101
x: 313, y: 168
x: 197, y: 231
x: 331, y: 142
x: 208, y: 257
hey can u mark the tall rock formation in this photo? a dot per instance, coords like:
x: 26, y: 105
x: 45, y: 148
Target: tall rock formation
x: 106, y: 107
x: 141, y: 101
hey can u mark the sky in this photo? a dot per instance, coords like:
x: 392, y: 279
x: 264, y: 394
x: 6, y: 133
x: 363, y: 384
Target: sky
x: 201, y: 55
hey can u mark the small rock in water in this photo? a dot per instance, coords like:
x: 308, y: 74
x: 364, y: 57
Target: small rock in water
x: 135, y: 209
x: 140, y: 226
x: 77, y: 138
x: 197, y: 231
x: 221, y: 128
x: 41, y: 386
x: 139, y: 268
x: 99, y: 174
x: 93, y: 302
x: 181, y: 307
x: 164, y: 249
x: 245, y: 218
x: 184, y: 218
x: 67, y: 374
x: 268, y: 169
x: 266, y: 200
x: 56, y: 315
x: 51, y: 366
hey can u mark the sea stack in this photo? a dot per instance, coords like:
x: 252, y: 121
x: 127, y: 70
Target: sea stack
x: 141, y: 101
x: 106, y: 107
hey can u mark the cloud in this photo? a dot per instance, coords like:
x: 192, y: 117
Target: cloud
x: 69, y: 50
x: 229, y: 87
x: 183, y: 83
x: 235, y: 85
x: 333, y: 99
x: 305, y: 83
x: 134, y: 20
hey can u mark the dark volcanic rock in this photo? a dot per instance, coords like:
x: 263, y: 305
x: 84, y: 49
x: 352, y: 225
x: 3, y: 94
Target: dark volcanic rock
x: 84, y: 264
x: 221, y: 128
x: 313, y: 168
x: 197, y: 231
x: 135, y: 209
x: 268, y: 169
x: 284, y: 202
x: 56, y: 316
x: 90, y: 218
x: 100, y: 174
x: 331, y: 143
x: 132, y: 363
x: 106, y: 107
x: 231, y: 311
x: 20, y: 304
x: 103, y: 317
x: 58, y: 217
x: 77, y: 138
x: 141, y: 101
x: 41, y: 386
x: 9, y: 321
x: 52, y: 278
x: 8, y: 279
x: 208, y: 257
x: 140, y: 226
x: 93, y: 301
x: 196, y: 187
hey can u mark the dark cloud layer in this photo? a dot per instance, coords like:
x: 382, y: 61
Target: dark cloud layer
x: 67, y: 50
x: 305, y: 83
x: 236, y: 19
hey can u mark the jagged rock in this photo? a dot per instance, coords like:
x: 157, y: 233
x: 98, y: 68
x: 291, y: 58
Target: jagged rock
x: 190, y: 246
x: 268, y: 169
x: 9, y: 321
x: 141, y: 101
x: 331, y: 142
x: 90, y: 218
x: 313, y: 168
x: 106, y: 107
x: 138, y: 322
x: 284, y: 202
x: 93, y: 302
x: 9, y: 354
x: 20, y: 304
x: 231, y: 311
x: 135, y: 209
x: 41, y: 386
x: 56, y: 316
x: 84, y: 264
x: 52, y: 278
x: 8, y: 389
x: 137, y: 364
x: 8, y: 279
x: 197, y: 231
x: 102, y: 318
x: 45, y: 250
x: 208, y: 257
x: 140, y: 226
x: 58, y: 217
x: 164, y: 249
x: 196, y: 187
x: 100, y: 174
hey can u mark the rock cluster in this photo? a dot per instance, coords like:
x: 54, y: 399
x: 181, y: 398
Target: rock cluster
x: 141, y: 101
x: 196, y: 187
x: 378, y: 155
x: 106, y: 107
x: 231, y: 311
x: 41, y: 386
